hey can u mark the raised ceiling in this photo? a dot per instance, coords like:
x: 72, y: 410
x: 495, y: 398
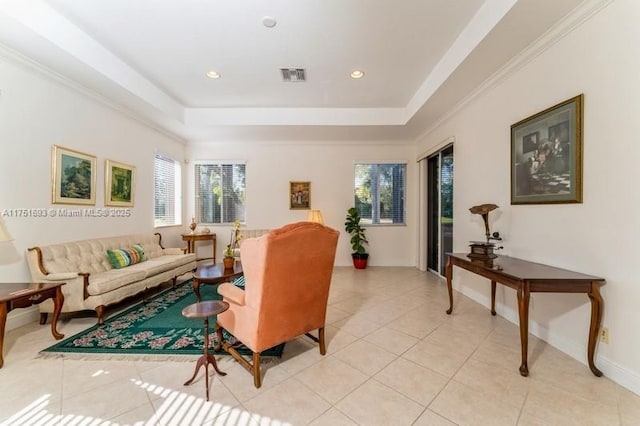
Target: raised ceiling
x: 420, y: 58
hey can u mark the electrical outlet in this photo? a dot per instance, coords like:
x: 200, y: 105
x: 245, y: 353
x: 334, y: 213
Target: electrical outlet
x: 604, y: 335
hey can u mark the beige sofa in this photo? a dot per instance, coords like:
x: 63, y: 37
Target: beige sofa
x: 92, y: 283
x: 248, y: 233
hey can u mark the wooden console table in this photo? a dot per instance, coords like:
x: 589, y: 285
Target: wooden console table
x: 528, y: 277
x: 191, y: 243
x: 22, y: 295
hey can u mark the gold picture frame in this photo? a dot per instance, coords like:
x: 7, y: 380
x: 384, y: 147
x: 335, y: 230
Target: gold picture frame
x: 546, y: 155
x: 120, y: 184
x: 299, y: 195
x: 73, y: 177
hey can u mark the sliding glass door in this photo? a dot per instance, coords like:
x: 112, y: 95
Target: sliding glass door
x: 439, y: 208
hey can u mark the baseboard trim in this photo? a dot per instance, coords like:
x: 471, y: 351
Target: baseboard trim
x: 22, y: 317
x: 621, y: 375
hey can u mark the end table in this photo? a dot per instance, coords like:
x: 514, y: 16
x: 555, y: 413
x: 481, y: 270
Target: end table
x: 205, y: 310
x: 23, y: 295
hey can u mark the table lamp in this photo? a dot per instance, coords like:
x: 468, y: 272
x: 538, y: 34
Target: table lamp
x: 4, y: 234
x: 8, y: 253
x: 315, y: 216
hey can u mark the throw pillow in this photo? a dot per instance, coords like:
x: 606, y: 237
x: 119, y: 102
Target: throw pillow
x: 239, y: 282
x: 123, y: 257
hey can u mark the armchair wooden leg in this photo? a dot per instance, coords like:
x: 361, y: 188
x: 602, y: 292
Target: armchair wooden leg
x: 253, y: 369
x: 319, y: 340
x: 323, y: 348
x: 257, y: 380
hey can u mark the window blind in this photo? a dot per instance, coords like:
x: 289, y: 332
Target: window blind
x: 220, y: 192
x: 380, y: 192
x: 167, y: 192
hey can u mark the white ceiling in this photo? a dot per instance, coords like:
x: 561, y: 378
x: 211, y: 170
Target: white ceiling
x: 420, y: 58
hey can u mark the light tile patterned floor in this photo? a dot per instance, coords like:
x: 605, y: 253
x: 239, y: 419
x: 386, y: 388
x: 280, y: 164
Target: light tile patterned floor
x: 394, y: 358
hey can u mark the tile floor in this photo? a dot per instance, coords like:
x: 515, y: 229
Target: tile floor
x: 394, y: 358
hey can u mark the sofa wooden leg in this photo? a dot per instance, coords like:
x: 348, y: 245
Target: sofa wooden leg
x: 43, y: 318
x: 174, y: 281
x: 257, y: 380
x: 100, y: 311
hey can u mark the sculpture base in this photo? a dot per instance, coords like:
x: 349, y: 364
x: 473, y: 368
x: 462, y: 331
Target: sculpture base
x: 481, y: 250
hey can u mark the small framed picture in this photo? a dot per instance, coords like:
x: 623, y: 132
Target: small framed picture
x: 73, y: 177
x: 120, y: 182
x: 299, y: 195
x: 546, y: 155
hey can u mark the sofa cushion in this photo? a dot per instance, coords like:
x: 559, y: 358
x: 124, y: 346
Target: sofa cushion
x: 164, y: 263
x: 123, y: 257
x: 112, y: 279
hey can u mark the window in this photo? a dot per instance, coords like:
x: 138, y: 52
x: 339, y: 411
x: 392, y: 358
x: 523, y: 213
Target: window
x: 168, y: 191
x: 220, y: 192
x: 380, y: 193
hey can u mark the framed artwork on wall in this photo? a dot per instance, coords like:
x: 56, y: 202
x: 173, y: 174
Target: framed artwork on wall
x: 299, y: 195
x: 73, y: 177
x: 546, y: 155
x: 120, y: 182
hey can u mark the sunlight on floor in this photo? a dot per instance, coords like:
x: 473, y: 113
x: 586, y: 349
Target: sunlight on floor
x: 179, y: 408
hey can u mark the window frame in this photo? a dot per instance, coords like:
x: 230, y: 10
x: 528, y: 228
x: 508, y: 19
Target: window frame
x: 196, y: 189
x: 370, y: 221
x: 177, y: 202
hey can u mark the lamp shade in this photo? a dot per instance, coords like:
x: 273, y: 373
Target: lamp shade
x: 4, y: 234
x: 315, y: 216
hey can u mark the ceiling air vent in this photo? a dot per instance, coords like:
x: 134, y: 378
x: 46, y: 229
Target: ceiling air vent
x: 293, y: 75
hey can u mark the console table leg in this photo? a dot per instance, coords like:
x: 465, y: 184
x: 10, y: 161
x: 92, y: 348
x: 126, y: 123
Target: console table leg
x: 493, y: 298
x: 3, y: 321
x: 449, y: 272
x: 594, y: 327
x: 523, y: 312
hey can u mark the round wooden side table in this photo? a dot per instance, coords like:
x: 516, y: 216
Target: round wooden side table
x: 205, y: 310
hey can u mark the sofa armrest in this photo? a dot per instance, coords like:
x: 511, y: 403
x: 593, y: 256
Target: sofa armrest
x: 61, y: 276
x: 231, y: 293
x: 173, y: 251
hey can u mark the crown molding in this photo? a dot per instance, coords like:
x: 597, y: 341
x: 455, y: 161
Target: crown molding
x: 19, y: 59
x: 557, y: 32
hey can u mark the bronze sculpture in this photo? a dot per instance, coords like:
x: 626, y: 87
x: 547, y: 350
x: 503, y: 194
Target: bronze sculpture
x: 479, y: 249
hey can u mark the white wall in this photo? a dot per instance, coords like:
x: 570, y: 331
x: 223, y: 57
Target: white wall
x: 38, y: 111
x: 600, y: 236
x: 329, y: 166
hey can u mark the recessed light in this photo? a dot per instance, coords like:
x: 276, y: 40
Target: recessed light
x: 357, y: 74
x: 213, y: 74
x: 269, y: 22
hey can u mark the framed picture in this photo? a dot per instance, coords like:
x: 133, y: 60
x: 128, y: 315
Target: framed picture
x: 73, y: 177
x: 546, y: 155
x: 120, y: 182
x: 299, y: 195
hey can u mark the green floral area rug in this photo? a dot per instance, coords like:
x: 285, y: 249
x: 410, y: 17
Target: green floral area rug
x: 153, y: 327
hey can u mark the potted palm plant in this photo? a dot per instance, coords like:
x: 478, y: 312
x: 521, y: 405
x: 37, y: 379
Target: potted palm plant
x: 358, y: 238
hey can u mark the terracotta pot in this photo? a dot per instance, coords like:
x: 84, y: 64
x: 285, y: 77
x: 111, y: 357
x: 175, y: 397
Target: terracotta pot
x: 228, y: 262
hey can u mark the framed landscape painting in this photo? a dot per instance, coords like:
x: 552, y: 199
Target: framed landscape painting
x: 546, y: 155
x: 73, y: 177
x: 120, y: 182
x: 299, y: 195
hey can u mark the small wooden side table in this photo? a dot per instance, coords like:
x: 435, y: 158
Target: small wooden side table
x: 191, y: 243
x: 214, y: 274
x: 205, y: 310
x: 23, y: 295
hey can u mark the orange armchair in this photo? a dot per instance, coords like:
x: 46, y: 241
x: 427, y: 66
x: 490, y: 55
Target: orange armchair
x: 287, y: 276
